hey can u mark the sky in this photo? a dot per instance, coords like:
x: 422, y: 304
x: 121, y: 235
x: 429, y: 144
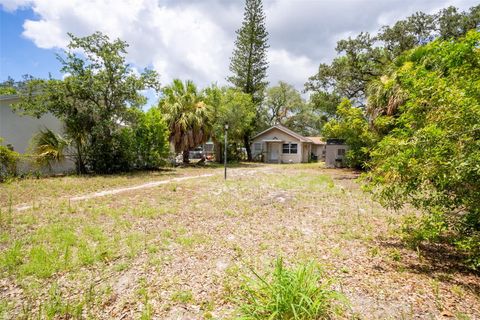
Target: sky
x: 193, y: 39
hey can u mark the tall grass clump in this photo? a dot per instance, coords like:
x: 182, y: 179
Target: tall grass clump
x: 302, y: 292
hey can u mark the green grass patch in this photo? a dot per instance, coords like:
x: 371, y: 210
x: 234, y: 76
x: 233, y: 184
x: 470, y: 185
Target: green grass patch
x: 303, y: 292
x: 182, y: 296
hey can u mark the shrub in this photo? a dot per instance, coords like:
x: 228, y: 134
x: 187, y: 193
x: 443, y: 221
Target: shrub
x: 8, y: 162
x: 151, y: 139
x: 431, y: 159
x: 352, y: 126
x: 302, y: 292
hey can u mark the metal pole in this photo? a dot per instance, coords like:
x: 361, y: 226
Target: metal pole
x: 225, y: 156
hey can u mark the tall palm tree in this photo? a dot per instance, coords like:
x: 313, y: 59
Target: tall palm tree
x: 186, y: 115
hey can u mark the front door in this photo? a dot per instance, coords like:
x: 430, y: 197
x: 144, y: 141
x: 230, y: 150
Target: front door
x: 274, y: 152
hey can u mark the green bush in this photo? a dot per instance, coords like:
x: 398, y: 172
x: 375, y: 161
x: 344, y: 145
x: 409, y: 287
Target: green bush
x: 8, y: 162
x: 151, y: 139
x: 301, y: 293
x: 431, y: 159
x: 352, y: 126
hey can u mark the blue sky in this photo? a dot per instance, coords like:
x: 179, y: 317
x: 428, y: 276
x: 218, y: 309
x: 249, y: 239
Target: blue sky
x: 19, y: 55
x: 193, y: 39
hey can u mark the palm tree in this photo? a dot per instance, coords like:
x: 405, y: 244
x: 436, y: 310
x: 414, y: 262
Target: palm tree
x: 49, y: 147
x: 385, y: 96
x: 186, y: 115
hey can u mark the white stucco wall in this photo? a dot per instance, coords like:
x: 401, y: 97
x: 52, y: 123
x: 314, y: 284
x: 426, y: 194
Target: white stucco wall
x: 331, y: 154
x: 318, y: 150
x: 17, y: 130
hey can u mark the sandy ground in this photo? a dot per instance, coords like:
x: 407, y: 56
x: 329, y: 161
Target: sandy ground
x: 195, y: 237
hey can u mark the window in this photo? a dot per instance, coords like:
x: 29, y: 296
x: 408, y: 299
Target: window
x: 341, y: 152
x: 289, y: 148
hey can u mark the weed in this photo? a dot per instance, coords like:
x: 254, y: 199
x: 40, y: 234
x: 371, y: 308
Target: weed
x: 121, y: 266
x: 147, y: 310
x: 302, y: 292
x: 12, y: 258
x: 436, y: 293
x: 40, y: 263
x: 56, y: 307
x: 190, y: 241
x: 135, y: 243
x: 374, y: 251
x: 459, y: 291
x: 182, y: 296
x: 461, y: 316
x: 395, y: 255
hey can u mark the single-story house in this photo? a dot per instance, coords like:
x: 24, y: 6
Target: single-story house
x: 279, y: 144
x: 17, y: 130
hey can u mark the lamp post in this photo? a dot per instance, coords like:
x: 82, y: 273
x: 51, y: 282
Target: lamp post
x: 225, y: 156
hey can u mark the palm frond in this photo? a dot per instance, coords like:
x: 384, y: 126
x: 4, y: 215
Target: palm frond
x: 49, y: 147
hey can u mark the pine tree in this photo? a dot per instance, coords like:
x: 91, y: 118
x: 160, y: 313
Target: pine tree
x: 249, y: 61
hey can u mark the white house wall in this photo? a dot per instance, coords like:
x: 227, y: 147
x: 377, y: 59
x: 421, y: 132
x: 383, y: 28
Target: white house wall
x: 286, y: 138
x: 17, y: 130
x: 331, y: 154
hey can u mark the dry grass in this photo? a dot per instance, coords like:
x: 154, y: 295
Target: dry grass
x: 177, y: 251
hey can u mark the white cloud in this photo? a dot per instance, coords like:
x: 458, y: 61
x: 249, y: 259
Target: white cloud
x: 290, y: 68
x: 12, y: 5
x: 192, y: 39
x: 177, y: 41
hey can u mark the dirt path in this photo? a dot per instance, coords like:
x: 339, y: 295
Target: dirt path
x: 108, y: 192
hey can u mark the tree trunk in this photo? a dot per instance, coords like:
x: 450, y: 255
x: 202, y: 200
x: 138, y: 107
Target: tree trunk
x: 246, y: 141
x: 186, y: 156
x: 81, y: 168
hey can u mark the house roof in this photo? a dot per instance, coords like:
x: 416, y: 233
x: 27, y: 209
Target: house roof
x: 316, y: 140
x: 285, y: 130
x: 336, y: 141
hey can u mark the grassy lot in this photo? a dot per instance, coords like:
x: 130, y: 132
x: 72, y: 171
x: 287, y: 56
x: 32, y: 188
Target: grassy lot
x: 181, y: 250
x: 30, y: 191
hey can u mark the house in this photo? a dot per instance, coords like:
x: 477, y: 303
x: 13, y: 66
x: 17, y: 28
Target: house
x: 318, y: 148
x: 279, y: 144
x: 335, y: 151
x: 17, y: 130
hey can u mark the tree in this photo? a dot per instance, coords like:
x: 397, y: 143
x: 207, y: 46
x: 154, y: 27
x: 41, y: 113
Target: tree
x: 352, y: 126
x: 249, y: 60
x: 454, y: 24
x: 306, y: 121
x: 186, y: 115
x: 233, y: 107
x: 430, y: 158
x: 151, y: 139
x: 406, y: 34
x: 8, y: 87
x: 385, y: 96
x: 366, y: 57
x: 281, y: 102
x: 349, y: 74
x: 93, y: 99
